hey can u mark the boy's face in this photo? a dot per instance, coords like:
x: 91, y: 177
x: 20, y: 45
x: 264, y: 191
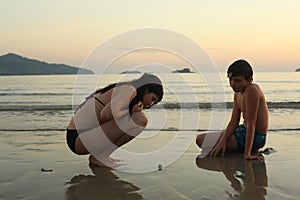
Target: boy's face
x: 239, y: 83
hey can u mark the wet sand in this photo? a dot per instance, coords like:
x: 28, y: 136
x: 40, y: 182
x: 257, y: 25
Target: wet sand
x: 68, y: 176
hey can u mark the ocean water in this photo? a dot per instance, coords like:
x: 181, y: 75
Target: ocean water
x: 46, y: 103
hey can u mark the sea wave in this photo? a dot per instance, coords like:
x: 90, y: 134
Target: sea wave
x: 148, y: 129
x: 216, y: 105
x: 35, y: 107
x: 34, y: 94
x: 167, y: 106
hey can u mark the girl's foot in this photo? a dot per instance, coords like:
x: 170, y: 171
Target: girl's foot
x: 105, y: 162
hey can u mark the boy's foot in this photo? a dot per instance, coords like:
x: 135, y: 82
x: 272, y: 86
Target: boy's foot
x: 105, y: 162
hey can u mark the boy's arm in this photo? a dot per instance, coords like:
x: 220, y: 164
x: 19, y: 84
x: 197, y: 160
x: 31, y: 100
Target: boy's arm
x: 234, y: 121
x: 252, y: 99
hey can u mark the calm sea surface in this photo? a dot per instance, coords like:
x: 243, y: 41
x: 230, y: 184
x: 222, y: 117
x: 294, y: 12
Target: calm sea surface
x: 45, y: 103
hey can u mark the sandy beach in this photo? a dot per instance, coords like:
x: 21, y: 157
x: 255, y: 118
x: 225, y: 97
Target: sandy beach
x: 67, y: 176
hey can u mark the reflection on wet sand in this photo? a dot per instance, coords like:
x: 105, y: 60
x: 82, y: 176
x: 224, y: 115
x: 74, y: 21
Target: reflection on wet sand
x: 104, y: 184
x: 248, y: 178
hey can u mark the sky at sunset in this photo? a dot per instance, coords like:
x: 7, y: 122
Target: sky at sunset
x: 266, y: 33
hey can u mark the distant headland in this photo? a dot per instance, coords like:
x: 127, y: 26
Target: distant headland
x: 297, y: 70
x: 13, y: 64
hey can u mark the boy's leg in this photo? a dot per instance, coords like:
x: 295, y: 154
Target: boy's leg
x: 200, y: 139
x: 208, y: 139
x: 231, y: 144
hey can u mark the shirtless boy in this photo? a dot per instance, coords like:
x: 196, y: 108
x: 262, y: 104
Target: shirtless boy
x: 249, y: 101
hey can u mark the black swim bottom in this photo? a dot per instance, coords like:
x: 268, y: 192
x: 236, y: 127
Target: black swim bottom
x: 71, y: 139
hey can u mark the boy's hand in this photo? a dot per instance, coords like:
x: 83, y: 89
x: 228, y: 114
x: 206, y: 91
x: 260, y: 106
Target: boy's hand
x: 250, y: 157
x: 221, y: 145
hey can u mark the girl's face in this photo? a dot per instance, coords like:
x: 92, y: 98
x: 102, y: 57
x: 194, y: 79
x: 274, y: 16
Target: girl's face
x: 149, y: 99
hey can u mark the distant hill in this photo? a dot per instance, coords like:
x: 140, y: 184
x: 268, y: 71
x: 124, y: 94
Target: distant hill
x: 297, y: 70
x: 13, y: 64
x: 184, y: 70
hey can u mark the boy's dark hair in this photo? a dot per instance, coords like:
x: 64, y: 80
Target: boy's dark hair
x: 238, y: 68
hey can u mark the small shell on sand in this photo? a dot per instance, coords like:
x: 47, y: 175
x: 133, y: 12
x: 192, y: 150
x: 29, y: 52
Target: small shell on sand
x: 46, y: 170
x: 159, y: 167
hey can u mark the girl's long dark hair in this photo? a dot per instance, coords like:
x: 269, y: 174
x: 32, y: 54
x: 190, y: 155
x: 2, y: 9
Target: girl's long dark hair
x: 146, y: 83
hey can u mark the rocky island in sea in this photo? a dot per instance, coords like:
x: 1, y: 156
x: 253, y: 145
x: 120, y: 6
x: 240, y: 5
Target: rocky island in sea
x: 184, y: 70
x: 131, y: 72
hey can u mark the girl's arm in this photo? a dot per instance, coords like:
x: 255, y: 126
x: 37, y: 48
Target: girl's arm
x: 119, y: 103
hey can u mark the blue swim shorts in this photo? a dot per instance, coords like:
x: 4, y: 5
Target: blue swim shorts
x: 240, y: 137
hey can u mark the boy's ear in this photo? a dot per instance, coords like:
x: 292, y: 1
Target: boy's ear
x: 250, y: 79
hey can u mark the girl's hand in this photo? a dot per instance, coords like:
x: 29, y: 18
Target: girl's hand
x: 137, y: 107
